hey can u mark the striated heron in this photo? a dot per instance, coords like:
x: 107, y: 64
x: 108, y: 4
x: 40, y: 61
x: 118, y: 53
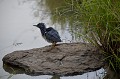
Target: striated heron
x: 49, y: 34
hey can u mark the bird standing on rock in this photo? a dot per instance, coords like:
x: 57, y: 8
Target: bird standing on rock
x: 49, y: 34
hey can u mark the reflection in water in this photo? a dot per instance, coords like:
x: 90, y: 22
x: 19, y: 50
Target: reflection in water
x: 111, y: 74
x: 90, y: 75
x: 55, y: 77
x: 14, y: 70
x: 46, y: 10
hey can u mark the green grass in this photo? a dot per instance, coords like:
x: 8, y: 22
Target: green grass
x: 97, y: 22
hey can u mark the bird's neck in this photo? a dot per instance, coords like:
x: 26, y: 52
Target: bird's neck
x: 43, y: 31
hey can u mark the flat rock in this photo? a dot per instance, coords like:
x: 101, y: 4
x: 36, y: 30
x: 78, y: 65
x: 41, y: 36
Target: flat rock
x: 64, y: 59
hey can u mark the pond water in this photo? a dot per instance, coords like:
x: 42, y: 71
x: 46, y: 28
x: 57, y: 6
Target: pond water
x: 17, y: 32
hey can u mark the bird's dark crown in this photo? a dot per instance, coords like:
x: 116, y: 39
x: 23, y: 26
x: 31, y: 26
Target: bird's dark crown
x: 40, y: 25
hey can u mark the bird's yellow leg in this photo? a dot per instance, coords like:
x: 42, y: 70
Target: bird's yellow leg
x: 53, y: 45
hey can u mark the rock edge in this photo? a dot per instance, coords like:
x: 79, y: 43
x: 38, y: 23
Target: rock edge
x: 64, y: 59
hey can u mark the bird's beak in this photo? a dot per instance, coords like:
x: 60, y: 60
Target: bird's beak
x: 34, y: 25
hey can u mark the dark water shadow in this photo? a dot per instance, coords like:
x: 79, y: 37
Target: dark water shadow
x: 55, y: 77
x: 17, y: 70
x: 13, y: 69
x: 111, y: 74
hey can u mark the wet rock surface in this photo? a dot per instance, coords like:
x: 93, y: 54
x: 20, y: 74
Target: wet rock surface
x: 64, y: 59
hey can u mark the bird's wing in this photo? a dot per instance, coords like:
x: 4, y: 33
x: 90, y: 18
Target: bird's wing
x: 52, y: 31
x: 52, y: 34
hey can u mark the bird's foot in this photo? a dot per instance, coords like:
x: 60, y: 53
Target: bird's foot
x: 51, y: 48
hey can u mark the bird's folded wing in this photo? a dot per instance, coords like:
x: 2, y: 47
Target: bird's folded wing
x: 53, y: 36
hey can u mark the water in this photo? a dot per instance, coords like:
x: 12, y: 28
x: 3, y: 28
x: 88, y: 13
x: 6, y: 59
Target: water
x: 17, y: 32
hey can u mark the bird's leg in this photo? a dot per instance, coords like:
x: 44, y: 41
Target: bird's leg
x: 53, y: 45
